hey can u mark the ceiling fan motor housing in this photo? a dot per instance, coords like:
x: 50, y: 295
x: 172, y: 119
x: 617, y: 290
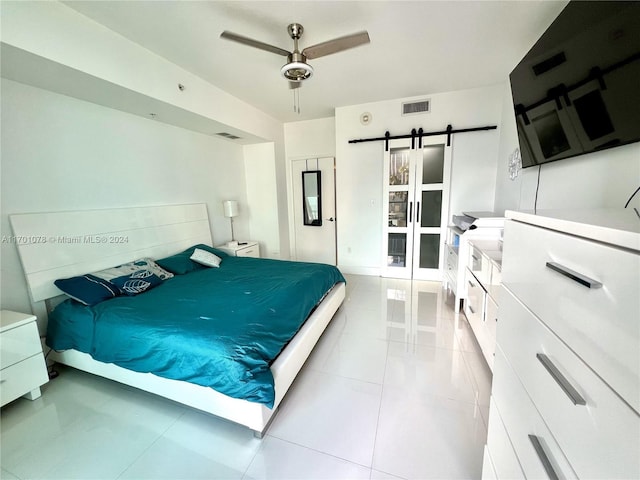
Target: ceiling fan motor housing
x: 296, y: 69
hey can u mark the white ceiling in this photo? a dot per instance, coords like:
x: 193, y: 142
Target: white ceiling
x: 417, y: 47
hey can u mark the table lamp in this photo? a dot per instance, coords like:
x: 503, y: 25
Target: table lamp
x: 231, y: 210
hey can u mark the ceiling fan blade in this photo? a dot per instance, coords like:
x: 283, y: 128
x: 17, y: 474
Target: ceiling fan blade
x: 234, y: 37
x: 336, y: 45
x: 294, y: 85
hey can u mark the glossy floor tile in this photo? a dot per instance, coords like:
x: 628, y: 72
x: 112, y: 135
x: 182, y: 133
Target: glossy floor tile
x: 396, y: 388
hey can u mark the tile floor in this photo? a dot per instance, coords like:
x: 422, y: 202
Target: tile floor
x: 396, y: 388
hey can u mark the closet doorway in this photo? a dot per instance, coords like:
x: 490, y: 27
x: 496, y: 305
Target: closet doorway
x: 415, y: 208
x: 314, y: 209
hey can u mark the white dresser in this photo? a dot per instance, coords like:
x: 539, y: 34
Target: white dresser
x: 484, y: 226
x: 22, y: 365
x: 483, y: 284
x: 244, y: 249
x: 566, y: 387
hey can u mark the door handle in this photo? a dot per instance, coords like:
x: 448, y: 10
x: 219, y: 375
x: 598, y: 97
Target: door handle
x: 410, y: 212
x: 417, y: 212
x: 331, y: 219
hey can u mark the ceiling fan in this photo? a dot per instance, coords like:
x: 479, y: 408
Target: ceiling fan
x: 297, y: 69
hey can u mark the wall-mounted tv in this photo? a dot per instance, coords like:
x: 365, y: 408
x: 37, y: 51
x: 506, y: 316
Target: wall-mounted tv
x: 578, y: 89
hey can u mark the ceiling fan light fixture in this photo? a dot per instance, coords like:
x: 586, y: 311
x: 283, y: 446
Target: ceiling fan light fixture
x: 296, y: 71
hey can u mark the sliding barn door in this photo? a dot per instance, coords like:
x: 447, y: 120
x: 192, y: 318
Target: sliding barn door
x: 415, y: 206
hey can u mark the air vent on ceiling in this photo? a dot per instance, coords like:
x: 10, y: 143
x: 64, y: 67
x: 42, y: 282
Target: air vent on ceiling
x: 421, y: 106
x: 228, y: 135
x: 549, y: 64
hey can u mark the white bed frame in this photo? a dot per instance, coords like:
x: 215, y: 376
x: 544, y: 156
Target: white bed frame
x: 64, y: 244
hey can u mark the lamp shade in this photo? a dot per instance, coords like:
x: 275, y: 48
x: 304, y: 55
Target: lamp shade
x: 231, y: 208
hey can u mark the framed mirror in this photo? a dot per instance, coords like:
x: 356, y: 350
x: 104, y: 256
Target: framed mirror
x: 312, y: 198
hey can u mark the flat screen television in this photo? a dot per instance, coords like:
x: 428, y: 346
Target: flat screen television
x: 578, y: 89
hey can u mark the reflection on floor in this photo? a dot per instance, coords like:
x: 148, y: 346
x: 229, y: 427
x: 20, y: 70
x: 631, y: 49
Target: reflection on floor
x: 396, y: 388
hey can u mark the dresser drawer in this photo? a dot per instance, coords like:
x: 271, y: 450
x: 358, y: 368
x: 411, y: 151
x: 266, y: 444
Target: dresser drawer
x: 490, y: 323
x: 599, y: 422
x: 479, y: 264
x: 496, y: 275
x: 488, y: 472
x: 22, y: 377
x: 474, y: 309
x: 19, y: 343
x: 525, y: 426
x: 599, y: 324
x: 451, y: 266
x: 452, y: 256
x: 503, y: 460
x: 252, y: 251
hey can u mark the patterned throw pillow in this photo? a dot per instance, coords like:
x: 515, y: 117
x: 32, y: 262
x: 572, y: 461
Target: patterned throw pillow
x: 127, y: 269
x: 137, y: 282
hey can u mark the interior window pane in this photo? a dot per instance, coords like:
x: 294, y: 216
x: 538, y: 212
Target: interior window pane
x: 431, y: 206
x: 398, y: 209
x: 399, y: 166
x: 429, y: 250
x: 397, y: 252
x: 432, y: 164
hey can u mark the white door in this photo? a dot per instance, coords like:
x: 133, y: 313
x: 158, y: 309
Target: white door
x: 314, y: 215
x: 415, y: 206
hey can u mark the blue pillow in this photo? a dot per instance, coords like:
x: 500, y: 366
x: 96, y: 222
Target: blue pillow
x: 137, y: 282
x: 87, y: 289
x: 128, y: 268
x: 181, y: 263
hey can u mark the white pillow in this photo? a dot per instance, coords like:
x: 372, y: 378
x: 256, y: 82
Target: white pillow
x: 205, y: 258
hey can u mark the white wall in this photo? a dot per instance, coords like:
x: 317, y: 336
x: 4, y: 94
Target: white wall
x: 359, y: 166
x: 310, y: 138
x: 596, y: 180
x: 58, y: 33
x: 60, y: 153
x: 262, y: 198
x: 119, y: 73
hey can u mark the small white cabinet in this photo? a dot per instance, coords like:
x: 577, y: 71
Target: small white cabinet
x: 565, y: 398
x: 242, y: 249
x: 485, y: 226
x: 482, y: 282
x: 22, y: 367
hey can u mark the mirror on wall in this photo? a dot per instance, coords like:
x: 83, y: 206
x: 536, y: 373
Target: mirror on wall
x: 312, y: 198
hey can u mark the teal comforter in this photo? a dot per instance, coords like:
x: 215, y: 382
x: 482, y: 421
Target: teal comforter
x: 217, y: 327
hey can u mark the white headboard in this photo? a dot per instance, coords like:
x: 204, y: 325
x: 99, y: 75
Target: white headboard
x: 64, y: 244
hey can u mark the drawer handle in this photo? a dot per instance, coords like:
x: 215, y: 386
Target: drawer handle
x: 561, y: 380
x: 471, y: 309
x: 544, y: 458
x: 475, y: 258
x: 573, y: 275
x: 471, y: 284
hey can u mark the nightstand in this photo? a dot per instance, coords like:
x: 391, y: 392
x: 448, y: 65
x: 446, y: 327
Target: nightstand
x: 22, y: 366
x: 250, y: 249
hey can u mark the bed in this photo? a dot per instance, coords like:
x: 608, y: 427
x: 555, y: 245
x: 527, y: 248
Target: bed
x: 137, y: 340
